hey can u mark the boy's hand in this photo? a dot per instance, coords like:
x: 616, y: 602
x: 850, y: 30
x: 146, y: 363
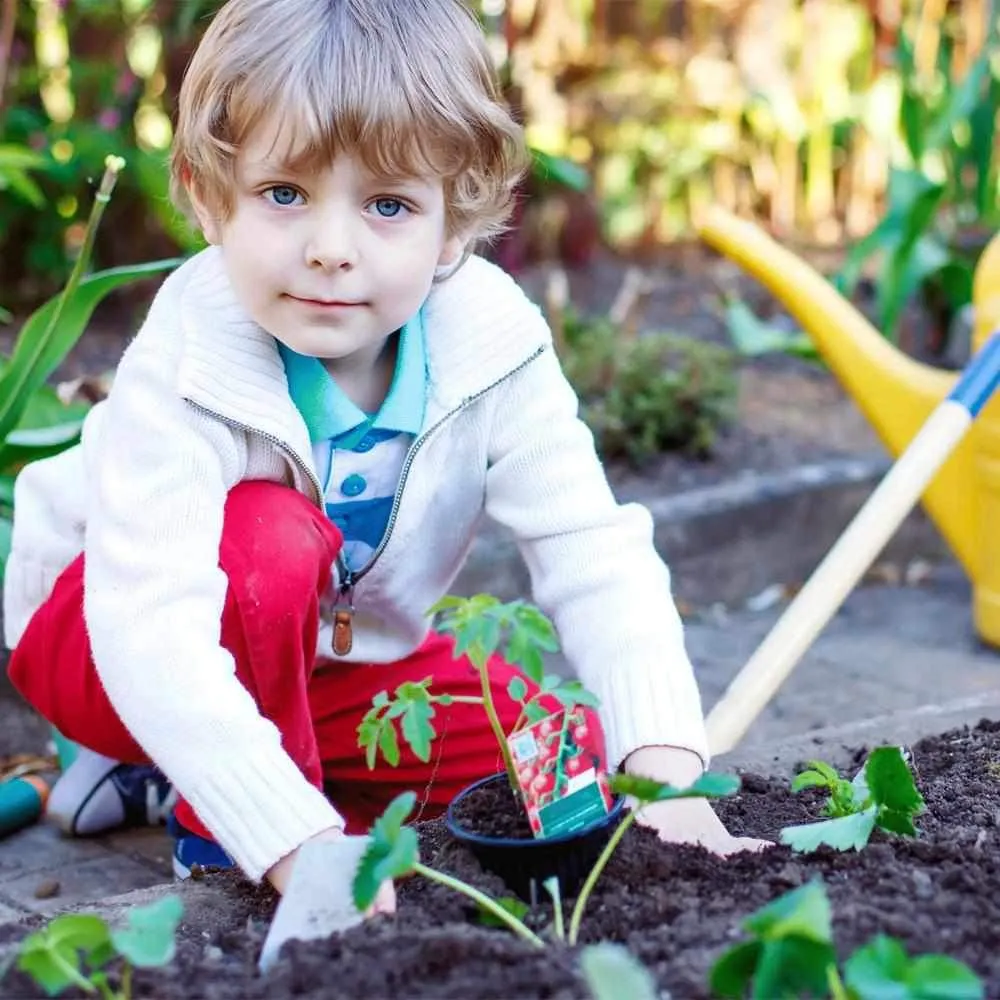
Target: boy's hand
x: 684, y: 821
x: 279, y: 874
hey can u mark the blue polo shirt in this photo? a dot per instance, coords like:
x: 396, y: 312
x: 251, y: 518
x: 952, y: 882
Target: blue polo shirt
x: 359, y: 456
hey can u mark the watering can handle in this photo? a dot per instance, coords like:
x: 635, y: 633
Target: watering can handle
x: 853, y: 552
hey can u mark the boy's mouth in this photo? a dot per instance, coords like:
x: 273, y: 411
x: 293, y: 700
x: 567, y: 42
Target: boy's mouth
x: 327, y: 303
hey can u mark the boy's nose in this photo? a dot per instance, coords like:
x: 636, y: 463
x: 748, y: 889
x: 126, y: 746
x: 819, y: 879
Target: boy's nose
x: 332, y: 246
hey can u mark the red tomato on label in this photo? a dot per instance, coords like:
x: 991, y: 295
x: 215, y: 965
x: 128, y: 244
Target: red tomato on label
x: 580, y: 732
x: 541, y: 783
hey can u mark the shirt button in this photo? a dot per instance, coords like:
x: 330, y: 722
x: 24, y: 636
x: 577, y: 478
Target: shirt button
x: 353, y: 485
x: 365, y: 444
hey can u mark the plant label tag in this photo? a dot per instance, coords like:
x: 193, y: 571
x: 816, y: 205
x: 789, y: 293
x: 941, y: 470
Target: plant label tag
x: 559, y: 768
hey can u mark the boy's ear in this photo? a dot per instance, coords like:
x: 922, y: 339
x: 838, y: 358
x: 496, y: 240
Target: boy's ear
x: 208, y: 221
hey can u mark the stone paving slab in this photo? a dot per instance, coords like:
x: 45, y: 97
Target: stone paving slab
x: 895, y: 664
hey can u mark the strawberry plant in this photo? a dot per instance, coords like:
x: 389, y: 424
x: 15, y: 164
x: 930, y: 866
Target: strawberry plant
x: 482, y: 626
x: 790, y: 953
x: 75, y: 950
x: 882, y: 796
x: 393, y: 853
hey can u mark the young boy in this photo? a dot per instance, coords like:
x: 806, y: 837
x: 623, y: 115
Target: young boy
x: 315, y: 415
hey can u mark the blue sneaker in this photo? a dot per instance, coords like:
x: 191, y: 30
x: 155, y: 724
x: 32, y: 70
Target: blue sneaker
x: 97, y: 794
x: 194, y: 852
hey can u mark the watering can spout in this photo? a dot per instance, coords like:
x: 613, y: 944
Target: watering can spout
x: 895, y: 393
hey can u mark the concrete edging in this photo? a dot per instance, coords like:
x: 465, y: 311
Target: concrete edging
x: 729, y: 541
x: 832, y: 743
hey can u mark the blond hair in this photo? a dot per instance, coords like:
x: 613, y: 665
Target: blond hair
x: 406, y: 85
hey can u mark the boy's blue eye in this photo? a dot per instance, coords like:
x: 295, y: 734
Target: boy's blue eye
x: 283, y: 195
x: 388, y: 207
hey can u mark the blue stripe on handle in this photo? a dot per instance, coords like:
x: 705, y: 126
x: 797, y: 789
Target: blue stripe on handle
x: 981, y: 377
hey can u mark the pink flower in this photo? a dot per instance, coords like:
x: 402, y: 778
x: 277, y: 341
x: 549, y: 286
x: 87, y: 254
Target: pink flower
x: 109, y: 119
x: 125, y: 83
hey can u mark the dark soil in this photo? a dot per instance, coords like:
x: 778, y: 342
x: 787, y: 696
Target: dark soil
x: 676, y: 909
x: 493, y: 811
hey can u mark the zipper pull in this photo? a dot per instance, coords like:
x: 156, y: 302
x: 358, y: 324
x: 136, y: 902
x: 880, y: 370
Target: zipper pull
x: 343, y: 630
x: 343, y: 611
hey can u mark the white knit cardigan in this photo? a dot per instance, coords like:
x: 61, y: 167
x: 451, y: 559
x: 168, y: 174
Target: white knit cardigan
x: 200, y: 402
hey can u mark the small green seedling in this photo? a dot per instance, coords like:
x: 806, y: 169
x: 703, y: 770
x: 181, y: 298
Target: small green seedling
x: 790, y: 953
x: 882, y: 969
x: 482, y: 625
x: 74, y: 950
x: 884, y: 795
x: 393, y: 852
x: 613, y: 973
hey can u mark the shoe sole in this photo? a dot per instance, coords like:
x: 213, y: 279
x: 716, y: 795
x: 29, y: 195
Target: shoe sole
x: 181, y: 871
x: 87, y: 771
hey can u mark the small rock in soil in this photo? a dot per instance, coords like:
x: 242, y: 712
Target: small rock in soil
x: 47, y: 889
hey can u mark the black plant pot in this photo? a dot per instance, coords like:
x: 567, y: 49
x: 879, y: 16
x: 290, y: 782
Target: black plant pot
x: 524, y: 864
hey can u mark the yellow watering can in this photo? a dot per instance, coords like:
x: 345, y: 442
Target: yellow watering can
x: 943, y: 429
x: 897, y: 394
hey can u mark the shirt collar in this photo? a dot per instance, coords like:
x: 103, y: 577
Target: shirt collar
x: 329, y: 413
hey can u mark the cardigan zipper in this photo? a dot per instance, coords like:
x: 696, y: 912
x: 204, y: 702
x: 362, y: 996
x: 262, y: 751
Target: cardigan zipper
x: 282, y: 446
x: 343, y: 609
x: 343, y: 614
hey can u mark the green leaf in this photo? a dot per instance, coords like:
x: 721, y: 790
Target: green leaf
x: 447, y: 603
x: 890, y: 781
x: 530, y: 660
x: 882, y: 959
x: 6, y: 538
x: 938, y: 977
x: 149, y: 939
x: 417, y: 728
x: 906, y: 271
x: 792, y: 966
x: 733, y: 971
x: 752, y: 336
x: 572, y: 693
x: 47, y: 970
x: 962, y: 101
x: 52, y: 955
x: 488, y: 636
x: 843, y: 833
x: 533, y: 712
x: 517, y: 689
x: 559, y: 170
x: 809, y: 779
x: 514, y: 906
x: 23, y: 186
x: 388, y: 743
x: 881, y: 970
x: 895, y: 822
x: 21, y: 158
x: 612, y: 973
x: 647, y: 790
x: 392, y: 851
x: 803, y: 912
x: 39, y: 349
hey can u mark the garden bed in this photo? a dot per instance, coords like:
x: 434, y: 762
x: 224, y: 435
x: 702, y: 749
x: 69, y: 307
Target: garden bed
x: 675, y: 909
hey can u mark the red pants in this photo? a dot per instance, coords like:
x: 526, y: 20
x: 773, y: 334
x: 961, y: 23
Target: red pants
x: 277, y: 550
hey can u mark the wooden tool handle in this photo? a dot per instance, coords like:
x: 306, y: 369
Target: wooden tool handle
x: 834, y: 578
